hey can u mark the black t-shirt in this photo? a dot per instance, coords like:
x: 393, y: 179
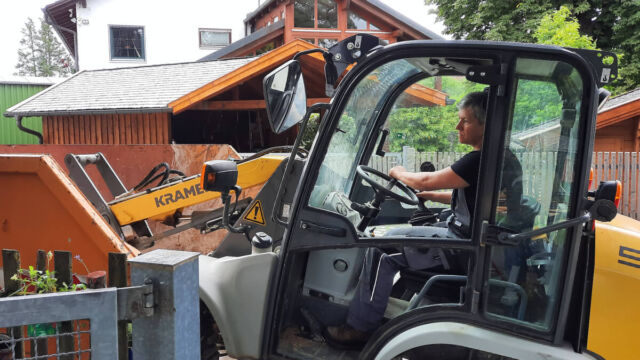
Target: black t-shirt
x: 467, y: 167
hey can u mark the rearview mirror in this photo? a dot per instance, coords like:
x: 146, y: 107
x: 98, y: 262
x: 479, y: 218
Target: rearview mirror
x: 285, y: 96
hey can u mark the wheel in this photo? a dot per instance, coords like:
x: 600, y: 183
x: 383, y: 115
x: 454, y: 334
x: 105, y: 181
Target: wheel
x: 210, y: 340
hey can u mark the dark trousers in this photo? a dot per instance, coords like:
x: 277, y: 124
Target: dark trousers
x: 366, y: 310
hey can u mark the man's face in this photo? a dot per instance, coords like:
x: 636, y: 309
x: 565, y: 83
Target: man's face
x: 470, y: 130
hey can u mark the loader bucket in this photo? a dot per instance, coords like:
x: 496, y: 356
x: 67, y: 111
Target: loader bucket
x: 42, y: 209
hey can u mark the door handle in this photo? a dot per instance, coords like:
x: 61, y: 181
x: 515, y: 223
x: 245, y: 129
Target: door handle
x: 327, y: 230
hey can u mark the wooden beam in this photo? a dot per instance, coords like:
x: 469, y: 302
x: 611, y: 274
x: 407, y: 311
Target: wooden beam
x: 618, y: 114
x: 242, y: 74
x: 244, y: 104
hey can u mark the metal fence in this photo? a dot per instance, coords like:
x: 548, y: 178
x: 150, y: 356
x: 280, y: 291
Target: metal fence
x: 161, y: 306
x: 539, y: 167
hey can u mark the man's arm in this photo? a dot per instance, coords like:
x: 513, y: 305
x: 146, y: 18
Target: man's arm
x: 426, y: 181
x: 443, y: 197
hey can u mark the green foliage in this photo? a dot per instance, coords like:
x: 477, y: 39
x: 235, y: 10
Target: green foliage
x: 537, y: 102
x: 34, y: 281
x: 430, y: 128
x: 613, y: 25
x: 425, y: 129
x: 40, y: 53
x: 559, y: 28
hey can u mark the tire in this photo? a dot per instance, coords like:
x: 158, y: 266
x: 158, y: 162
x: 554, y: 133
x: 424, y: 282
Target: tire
x: 210, y: 339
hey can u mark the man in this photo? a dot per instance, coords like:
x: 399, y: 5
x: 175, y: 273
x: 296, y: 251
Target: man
x: 367, y: 308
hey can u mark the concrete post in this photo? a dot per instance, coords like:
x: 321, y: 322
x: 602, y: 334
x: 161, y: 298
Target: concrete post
x: 173, y: 332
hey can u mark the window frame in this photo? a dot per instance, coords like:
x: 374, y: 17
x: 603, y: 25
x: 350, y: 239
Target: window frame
x: 216, y: 30
x: 143, y: 46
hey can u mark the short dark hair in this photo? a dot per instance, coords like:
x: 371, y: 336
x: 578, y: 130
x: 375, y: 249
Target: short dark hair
x: 477, y: 102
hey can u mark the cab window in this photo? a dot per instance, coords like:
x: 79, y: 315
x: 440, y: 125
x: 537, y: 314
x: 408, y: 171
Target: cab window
x: 525, y: 280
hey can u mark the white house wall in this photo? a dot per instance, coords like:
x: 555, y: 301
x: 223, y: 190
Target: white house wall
x: 170, y: 28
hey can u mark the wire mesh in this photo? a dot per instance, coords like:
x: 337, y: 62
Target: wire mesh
x: 69, y: 340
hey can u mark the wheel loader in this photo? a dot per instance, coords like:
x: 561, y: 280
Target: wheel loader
x: 561, y: 282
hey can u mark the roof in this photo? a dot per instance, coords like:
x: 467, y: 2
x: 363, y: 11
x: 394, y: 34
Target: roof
x: 144, y: 88
x: 619, y: 108
x: 264, y: 63
x: 61, y: 15
x: 622, y: 99
x: 29, y: 80
x: 378, y: 4
x: 261, y: 33
x: 386, y: 8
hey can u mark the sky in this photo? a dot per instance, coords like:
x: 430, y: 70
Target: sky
x: 13, y: 15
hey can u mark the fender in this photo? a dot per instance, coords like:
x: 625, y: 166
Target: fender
x: 235, y: 290
x: 473, y: 337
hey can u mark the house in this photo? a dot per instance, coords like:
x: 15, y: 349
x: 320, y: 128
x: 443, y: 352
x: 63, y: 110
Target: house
x: 205, y: 102
x: 618, y: 124
x: 320, y: 22
x: 117, y: 33
x: 14, y: 89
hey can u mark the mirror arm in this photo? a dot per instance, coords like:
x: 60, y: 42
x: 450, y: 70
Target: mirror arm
x: 276, y: 216
x: 296, y: 56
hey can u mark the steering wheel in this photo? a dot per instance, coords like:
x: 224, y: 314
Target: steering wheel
x: 409, y: 196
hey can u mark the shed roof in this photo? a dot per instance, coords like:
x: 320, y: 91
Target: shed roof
x: 619, y: 108
x: 621, y: 99
x: 144, y: 88
x: 29, y: 80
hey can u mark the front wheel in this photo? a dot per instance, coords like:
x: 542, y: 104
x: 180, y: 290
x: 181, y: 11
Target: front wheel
x: 211, y: 343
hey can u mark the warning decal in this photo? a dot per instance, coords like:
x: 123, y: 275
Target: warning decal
x: 255, y: 213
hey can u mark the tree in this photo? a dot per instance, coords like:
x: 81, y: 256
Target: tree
x: 41, y: 54
x: 560, y: 28
x: 614, y: 25
x: 28, y: 52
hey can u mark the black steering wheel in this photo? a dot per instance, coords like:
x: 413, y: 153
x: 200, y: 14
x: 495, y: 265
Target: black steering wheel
x: 409, y: 196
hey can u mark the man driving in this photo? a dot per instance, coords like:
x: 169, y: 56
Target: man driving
x: 366, y: 310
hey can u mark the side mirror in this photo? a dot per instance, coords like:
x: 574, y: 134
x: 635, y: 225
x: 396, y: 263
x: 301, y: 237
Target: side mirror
x: 219, y: 175
x: 609, y: 190
x: 285, y: 96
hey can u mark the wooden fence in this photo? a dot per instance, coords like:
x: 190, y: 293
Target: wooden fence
x: 539, y: 168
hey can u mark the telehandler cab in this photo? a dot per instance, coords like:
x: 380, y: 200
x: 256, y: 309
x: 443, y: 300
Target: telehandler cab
x: 555, y: 280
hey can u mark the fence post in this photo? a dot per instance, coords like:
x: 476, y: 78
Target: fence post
x: 11, y: 266
x: 118, y: 278
x: 173, y: 332
x: 409, y: 158
x: 62, y: 264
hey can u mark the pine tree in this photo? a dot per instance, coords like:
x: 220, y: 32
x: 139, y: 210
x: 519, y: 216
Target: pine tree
x: 41, y: 54
x: 28, y: 52
x: 53, y: 59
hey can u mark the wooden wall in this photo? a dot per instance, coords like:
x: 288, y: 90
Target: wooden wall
x: 621, y: 136
x: 114, y: 129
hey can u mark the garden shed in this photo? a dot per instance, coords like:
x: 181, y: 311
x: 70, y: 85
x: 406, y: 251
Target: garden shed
x: 14, y: 89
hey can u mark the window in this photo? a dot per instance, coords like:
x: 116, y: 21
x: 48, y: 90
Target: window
x: 327, y: 43
x: 304, y: 13
x: 525, y: 280
x: 327, y: 14
x: 356, y: 22
x: 311, y: 41
x: 127, y: 42
x: 214, y: 37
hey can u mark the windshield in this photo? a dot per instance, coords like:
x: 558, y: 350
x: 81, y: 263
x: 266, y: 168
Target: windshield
x: 357, y: 119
